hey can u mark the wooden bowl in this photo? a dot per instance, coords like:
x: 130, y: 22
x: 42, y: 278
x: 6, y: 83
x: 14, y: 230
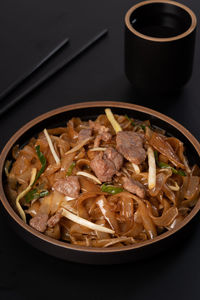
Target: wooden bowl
x: 90, y: 110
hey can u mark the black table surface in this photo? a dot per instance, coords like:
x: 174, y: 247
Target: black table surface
x: 28, y: 30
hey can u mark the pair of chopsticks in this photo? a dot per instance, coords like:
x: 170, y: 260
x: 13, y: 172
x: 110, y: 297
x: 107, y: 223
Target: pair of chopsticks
x: 48, y: 75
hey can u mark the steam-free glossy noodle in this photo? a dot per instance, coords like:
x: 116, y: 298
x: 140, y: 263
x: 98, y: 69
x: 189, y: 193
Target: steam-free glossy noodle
x: 114, y: 181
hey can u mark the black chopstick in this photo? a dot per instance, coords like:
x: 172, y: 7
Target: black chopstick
x: 49, y: 74
x: 25, y: 76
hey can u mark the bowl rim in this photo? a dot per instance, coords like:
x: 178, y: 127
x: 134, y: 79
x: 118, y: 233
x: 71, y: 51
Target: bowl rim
x: 156, y: 39
x: 54, y: 242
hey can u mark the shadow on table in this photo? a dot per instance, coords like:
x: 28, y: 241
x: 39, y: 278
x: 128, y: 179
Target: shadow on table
x: 152, y: 100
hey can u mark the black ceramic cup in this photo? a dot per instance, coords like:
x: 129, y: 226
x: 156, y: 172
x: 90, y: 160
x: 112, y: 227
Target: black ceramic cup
x: 159, y: 45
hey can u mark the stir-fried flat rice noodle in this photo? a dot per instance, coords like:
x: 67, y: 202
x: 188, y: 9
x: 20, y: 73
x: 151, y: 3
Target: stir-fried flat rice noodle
x: 110, y: 182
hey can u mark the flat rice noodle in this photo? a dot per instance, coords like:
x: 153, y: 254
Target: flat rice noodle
x: 146, y: 220
x: 186, y: 164
x: 76, y: 228
x: 88, y: 185
x: 103, y: 120
x: 15, y: 151
x: 120, y: 195
x: 102, y: 235
x: 136, y: 229
x: 195, y: 171
x: 83, y: 163
x: 57, y: 130
x: 161, y: 178
x: 51, y: 169
x: 90, y: 205
x: 62, y: 145
x: 73, y: 134
x: 183, y: 189
x: 170, y: 194
x: 126, y: 207
x: 142, y: 237
x: 184, y: 211
x: 84, y: 243
x: 154, y: 210
x: 70, y: 205
x: 45, y: 206
x: 76, y: 122
x: 44, y: 146
x: 53, y: 232
x: 166, y: 204
x: 159, y: 197
x: 190, y: 191
x: 179, y: 149
x: 29, y: 152
x: 177, y: 145
x: 87, y: 195
x: 161, y: 145
x: 124, y: 225
x: 106, y: 211
x: 122, y: 239
x: 55, y: 176
x: 56, y: 200
x: 65, y: 137
x: 49, y: 157
x: 163, y: 158
x: 21, y: 165
x: 167, y: 217
x: 67, y: 160
x: 59, y: 175
x: 82, y: 212
x: 148, y: 133
x: 192, y: 188
x: 104, y: 243
x: 155, y: 202
x: 190, y: 202
x: 53, y: 147
x: 33, y: 209
x: 176, y: 222
x: 24, y: 178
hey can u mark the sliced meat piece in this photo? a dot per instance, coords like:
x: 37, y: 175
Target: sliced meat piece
x: 54, y: 219
x: 84, y: 134
x: 130, y: 145
x: 115, y: 157
x: 134, y: 187
x: 68, y: 186
x: 103, y: 168
x: 39, y: 222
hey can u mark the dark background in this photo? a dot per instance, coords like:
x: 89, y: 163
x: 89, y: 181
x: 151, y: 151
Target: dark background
x: 28, y: 30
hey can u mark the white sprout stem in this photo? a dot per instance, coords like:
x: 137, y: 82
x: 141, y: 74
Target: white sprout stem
x: 152, y: 168
x: 79, y: 146
x: 89, y: 176
x: 98, y: 149
x: 175, y: 187
x: 112, y: 120
x: 136, y: 168
x: 67, y: 214
x: 67, y: 198
x: 57, y: 159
